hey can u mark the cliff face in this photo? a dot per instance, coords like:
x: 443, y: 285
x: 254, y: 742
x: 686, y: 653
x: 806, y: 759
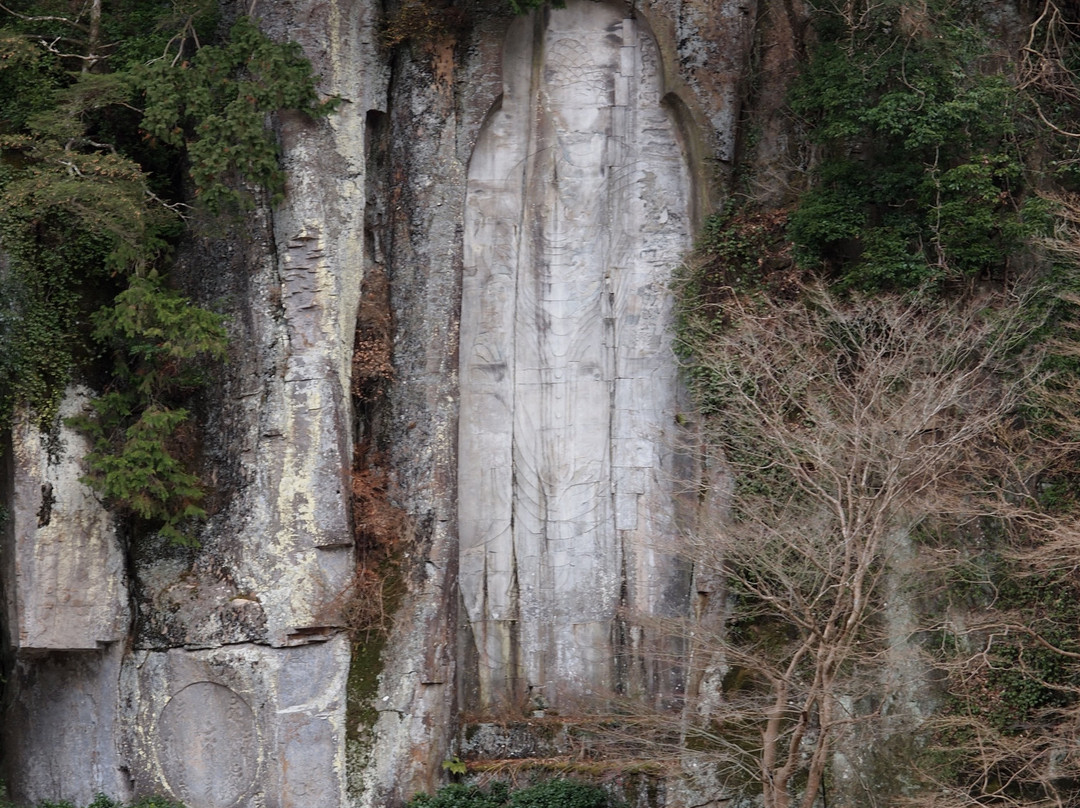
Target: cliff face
x: 531, y: 425
x: 526, y: 186
x: 576, y: 211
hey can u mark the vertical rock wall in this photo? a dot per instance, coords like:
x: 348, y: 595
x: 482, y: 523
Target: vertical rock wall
x: 225, y: 685
x: 229, y: 687
x: 234, y: 693
x: 443, y: 91
x: 66, y: 619
x: 578, y: 211
x: 65, y: 581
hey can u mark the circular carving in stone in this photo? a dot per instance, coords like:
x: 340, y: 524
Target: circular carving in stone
x: 207, y: 746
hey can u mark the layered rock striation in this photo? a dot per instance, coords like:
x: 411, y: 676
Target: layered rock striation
x: 576, y: 213
x: 527, y: 186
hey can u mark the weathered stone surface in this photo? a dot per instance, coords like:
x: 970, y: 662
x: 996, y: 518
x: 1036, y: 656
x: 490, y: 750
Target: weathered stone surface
x: 517, y: 740
x: 705, y: 47
x: 258, y: 596
x: 242, y: 725
x: 60, y: 724
x: 207, y: 745
x: 293, y: 520
x: 65, y: 597
x: 64, y: 581
x: 419, y: 239
x: 278, y: 548
x: 186, y: 604
x: 576, y: 215
x: 234, y: 631
x: 443, y: 91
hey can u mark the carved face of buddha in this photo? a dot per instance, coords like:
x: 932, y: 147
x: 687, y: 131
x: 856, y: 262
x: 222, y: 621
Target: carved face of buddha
x: 578, y: 83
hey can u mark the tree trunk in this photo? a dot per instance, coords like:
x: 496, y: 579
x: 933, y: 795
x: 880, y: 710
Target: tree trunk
x: 93, y: 38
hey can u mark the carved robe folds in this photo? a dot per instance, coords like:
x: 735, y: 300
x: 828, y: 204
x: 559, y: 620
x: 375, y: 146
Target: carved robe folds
x: 576, y: 214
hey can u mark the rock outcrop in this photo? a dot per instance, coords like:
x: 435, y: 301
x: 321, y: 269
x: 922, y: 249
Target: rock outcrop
x: 66, y: 618
x: 576, y: 213
x: 527, y: 186
x: 228, y: 685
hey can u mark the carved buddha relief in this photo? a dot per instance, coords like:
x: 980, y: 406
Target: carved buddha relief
x: 576, y: 214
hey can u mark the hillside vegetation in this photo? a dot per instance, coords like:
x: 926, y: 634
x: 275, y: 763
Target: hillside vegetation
x: 119, y: 126
x: 886, y: 370
x: 887, y: 367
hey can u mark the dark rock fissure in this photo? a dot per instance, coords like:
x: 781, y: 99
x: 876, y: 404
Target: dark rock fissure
x: 244, y: 636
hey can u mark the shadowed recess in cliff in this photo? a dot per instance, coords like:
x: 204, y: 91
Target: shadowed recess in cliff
x: 576, y: 213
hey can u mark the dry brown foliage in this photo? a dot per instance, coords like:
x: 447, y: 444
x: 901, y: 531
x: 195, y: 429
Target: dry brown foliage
x: 1065, y: 240
x: 421, y: 21
x: 364, y: 606
x: 372, y: 360
x: 380, y: 526
x: 1043, y: 67
x: 845, y: 427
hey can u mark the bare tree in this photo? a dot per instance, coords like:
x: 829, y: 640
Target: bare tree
x: 976, y: 761
x: 1044, y: 70
x: 1008, y: 647
x: 844, y: 428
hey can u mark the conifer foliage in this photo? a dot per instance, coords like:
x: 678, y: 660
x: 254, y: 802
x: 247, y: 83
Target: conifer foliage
x: 114, y: 115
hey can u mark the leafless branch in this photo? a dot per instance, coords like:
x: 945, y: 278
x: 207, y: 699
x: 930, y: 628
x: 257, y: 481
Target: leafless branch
x: 846, y: 427
x: 45, y: 18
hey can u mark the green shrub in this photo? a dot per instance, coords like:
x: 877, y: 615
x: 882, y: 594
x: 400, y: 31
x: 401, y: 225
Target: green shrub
x: 920, y: 180
x: 457, y: 795
x: 104, y: 801
x: 556, y: 793
x: 136, y: 462
x: 215, y: 109
x: 561, y: 794
x: 154, y: 802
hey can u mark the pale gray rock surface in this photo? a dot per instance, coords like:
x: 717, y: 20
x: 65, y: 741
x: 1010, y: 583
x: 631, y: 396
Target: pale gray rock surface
x: 242, y: 725
x: 576, y: 215
x: 235, y: 694
x: 65, y: 584
x: 61, y: 724
x: 443, y: 92
x: 66, y: 616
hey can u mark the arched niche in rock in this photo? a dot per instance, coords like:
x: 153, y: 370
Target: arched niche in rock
x: 577, y: 211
